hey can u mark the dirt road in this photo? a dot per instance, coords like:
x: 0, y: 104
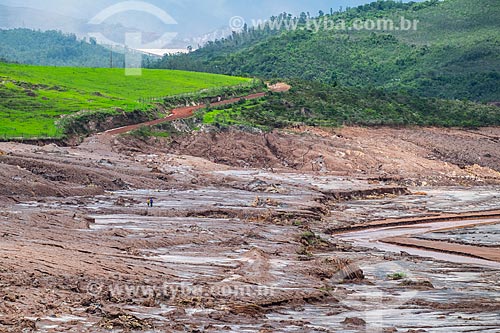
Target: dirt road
x: 188, y: 111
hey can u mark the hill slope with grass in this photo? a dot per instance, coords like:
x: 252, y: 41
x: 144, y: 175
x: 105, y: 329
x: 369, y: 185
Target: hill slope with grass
x: 452, y: 54
x: 34, y: 99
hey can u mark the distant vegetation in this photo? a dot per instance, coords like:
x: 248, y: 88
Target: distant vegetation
x: 53, y: 48
x: 453, y: 54
x: 33, y: 98
x: 317, y: 104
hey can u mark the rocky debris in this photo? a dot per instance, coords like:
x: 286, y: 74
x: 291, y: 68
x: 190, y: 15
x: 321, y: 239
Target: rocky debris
x: 120, y: 320
x: 259, y: 185
x: 11, y: 298
x: 126, y: 202
x: 482, y: 172
x: 51, y: 149
x: 121, y: 184
x: 354, y: 322
x: 347, y: 270
x: 264, y: 202
x: 255, y: 267
x: 296, y: 297
x: 156, y: 169
x: 466, y: 305
x: 251, y: 310
x: 18, y: 324
x: 106, y: 162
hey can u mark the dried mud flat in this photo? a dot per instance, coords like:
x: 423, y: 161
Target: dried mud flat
x: 251, y: 232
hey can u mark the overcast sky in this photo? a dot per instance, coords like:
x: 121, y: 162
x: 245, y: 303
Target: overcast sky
x: 193, y: 16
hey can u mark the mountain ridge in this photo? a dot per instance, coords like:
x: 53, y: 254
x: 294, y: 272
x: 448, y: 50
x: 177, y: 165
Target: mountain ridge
x: 449, y: 56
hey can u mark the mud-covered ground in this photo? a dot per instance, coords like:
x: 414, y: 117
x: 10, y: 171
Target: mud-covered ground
x: 252, y: 232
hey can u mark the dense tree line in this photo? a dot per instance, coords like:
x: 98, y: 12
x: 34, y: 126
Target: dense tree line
x: 319, y: 104
x: 453, y: 54
x: 54, y: 48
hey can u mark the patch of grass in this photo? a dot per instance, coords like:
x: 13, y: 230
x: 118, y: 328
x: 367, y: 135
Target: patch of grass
x: 212, y: 116
x: 397, y: 276
x: 245, y: 113
x: 309, y: 238
x: 146, y: 132
x: 423, y: 284
x: 33, y: 98
x: 142, y: 132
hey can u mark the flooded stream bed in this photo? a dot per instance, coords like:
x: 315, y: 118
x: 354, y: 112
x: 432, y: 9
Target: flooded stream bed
x: 251, y: 257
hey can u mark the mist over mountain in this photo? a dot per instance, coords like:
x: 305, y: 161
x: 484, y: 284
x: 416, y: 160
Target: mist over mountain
x: 197, y: 20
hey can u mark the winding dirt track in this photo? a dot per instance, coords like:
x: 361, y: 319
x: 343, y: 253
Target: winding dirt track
x: 188, y: 111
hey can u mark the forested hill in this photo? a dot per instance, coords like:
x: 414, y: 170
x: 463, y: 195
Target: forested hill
x: 53, y: 48
x: 454, y: 53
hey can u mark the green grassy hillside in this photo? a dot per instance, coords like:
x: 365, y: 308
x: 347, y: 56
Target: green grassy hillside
x: 33, y: 99
x: 453, y: 54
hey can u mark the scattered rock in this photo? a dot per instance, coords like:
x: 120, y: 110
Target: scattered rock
x: 106, y: 162
x: 355, y: 321
x: 117, y: 320
x: 251, y: 310
x: 10, y: 298
x: 155, y: 170
x: 389, y: 330
x: 124, y: 201
x: 257, y: 202
x: 20, y: 324
x: 121, y: 184
x: 346, y: 269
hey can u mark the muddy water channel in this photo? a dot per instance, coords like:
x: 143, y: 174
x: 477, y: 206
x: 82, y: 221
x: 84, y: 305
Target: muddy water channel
x: 374, y: 238
x: 254, y: 256
x: 438, y: 292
